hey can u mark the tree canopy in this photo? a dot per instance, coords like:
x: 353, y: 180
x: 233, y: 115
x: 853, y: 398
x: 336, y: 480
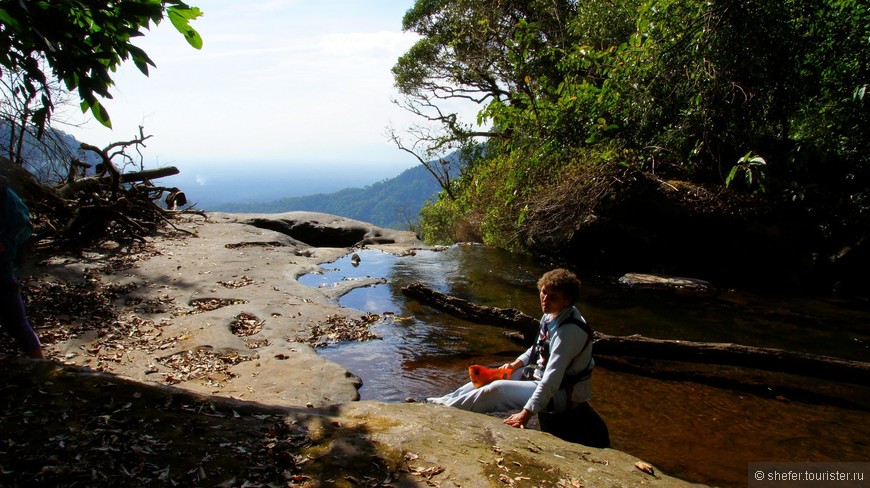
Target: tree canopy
x: 81, y: 43
x: 750, y: 96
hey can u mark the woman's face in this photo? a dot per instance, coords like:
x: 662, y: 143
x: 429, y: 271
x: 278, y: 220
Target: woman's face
x: 552, y: 301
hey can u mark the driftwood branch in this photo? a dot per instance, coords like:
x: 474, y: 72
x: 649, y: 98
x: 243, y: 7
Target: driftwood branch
x: 106, y: 156
x: 501, y: 317
x: 149, y: 174
x: 94, y: 183
x: 106, y: 166
x: 636, y: 346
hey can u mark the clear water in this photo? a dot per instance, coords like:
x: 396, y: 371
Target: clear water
x: 422, y: 351
x: 697, y: 432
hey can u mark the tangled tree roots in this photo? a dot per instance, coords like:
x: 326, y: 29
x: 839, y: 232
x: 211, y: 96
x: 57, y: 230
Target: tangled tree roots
x: 108, y: 205
x: 133, y: 216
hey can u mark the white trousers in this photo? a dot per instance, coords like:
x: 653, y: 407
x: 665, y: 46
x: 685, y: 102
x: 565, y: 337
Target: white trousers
x: 498, y: 396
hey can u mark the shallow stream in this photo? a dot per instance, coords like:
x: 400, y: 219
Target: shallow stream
x: 690, y: 430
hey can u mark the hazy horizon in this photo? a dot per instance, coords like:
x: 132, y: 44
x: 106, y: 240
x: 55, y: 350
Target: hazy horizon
x: 213, y: 186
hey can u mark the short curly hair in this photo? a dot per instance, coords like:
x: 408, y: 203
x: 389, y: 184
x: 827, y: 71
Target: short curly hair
x: 563, y: 281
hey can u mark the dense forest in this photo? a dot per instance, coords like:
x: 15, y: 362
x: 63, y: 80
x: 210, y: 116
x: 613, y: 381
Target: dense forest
x: 708, y: 137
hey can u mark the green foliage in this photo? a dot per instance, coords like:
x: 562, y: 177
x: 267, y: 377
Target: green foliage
x: 439, y: 222
x: 82, y: 43
x: 752, y: 168
x: 497, y: 189
x: 683, y: 87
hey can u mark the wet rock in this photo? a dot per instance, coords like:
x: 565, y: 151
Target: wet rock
x: 324, y: 230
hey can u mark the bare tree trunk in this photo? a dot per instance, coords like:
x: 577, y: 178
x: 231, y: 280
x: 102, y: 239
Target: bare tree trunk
x: 729, y: 354
x: 501, y: 317
x: 149, y: 174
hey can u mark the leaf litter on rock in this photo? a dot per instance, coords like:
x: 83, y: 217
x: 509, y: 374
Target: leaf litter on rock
x: 340, y: 328
x: 246, y: 324
x: 201, y: 363
x: 99, y: 435
x: 208, y: 304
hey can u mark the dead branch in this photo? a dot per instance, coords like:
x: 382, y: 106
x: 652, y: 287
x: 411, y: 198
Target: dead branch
x: 108, y: 153
x: 501, y: 317
x: 149, y: 174
x: 109, y: 205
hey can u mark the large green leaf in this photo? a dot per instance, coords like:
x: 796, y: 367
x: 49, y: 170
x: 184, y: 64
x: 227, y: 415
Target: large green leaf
x: 8, y: 20
x: 140, y: 59
x: 98, y: 111
x: 180, y: 18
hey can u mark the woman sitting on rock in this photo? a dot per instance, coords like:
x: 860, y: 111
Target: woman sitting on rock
x: 551, y: 378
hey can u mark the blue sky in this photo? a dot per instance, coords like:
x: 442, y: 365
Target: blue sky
x: 290, y: 83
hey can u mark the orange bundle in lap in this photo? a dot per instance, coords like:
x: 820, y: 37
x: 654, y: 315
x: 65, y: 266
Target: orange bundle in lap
x: 481, y: 375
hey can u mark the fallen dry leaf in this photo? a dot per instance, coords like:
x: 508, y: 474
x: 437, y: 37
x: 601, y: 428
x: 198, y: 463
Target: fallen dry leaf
x: 427, y: 473
x: 645, y: 467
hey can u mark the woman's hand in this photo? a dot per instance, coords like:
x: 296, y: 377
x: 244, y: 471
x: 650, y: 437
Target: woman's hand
x: 513, y: 366
x: 519, y: 420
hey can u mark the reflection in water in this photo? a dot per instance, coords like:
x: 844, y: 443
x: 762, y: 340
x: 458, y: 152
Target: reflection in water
x: 693, y: 431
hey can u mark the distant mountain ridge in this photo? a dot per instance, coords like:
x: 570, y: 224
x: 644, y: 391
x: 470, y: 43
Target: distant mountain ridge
x: 392, y: 203
x: 49, y: 158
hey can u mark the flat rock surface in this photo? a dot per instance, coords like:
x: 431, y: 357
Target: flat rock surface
x: 219, y: 314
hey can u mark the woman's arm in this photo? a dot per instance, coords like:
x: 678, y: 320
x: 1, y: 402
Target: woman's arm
x: 567, y: 342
